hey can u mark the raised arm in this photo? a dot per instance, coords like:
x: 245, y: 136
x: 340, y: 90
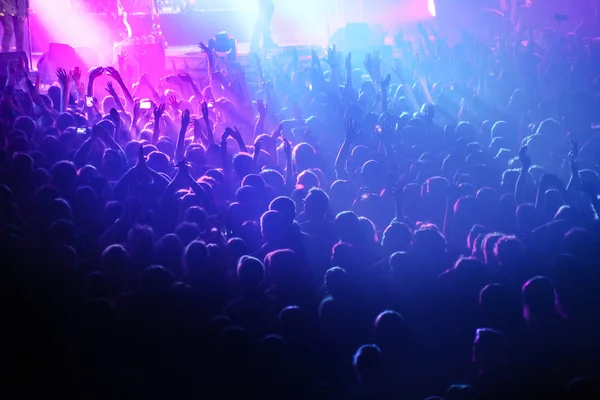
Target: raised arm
x: 259, y: 128
x: 239, y: 139
x: 63, y: 79
x: 207, y: 123
x: 185, y: 122
x: 113, y: 93
x: 340, y: 161
x: 94, y: 73
x: 188, y: 79
x: 158, y: 113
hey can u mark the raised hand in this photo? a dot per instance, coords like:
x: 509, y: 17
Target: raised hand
x: 145, y: 80
x: 287, y: 149
x: 257, y: 147
x: 262, y: 108
x: 351, y: 133
x: 110, y: 89
x: 63, y: 77
x: 122, y: 59
x: 113, y: 73
x: 524, y: 158
x: 225, y: 135
x: 278, y: 131
x: 159, y: 111
x: 185, y: 78
x: 332, y: 56
x: 386, y: 81
x: 136, y: 111
x: 96, y: 72
x: 236, y: 134
x: 204, y: 47
x: 141, y: 161
x: 205, y: 111
x: 174, y: 102
x: 373, y: 65
x: 185, y: 119
x: 76, y: 75
x: 349, y: 62
x: 115, y: 116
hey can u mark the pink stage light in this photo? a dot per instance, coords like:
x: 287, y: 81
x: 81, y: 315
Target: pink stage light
x: 64, y: 24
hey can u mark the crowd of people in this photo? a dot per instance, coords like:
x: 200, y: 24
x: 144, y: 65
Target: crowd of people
x: 328, y: 230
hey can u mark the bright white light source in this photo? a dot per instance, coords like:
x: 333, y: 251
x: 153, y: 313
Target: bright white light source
x: 431, y: 7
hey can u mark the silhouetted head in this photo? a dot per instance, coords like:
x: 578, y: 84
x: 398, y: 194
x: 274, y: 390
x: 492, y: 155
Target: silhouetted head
x: 396, y: 237
x: 250, y: 272
x: 286, y: 207
x: 283, y: 268
x: 509, y: 250
x: 489, y: 349
x: 539, y: 297
x: 391, y: 331
x: 195, y: 259
x: 316, y: 204
x: 272, y: 226
x: 115, y: 263
x: 368, y: 363
x: 347, y: 226
x: 336, y: 282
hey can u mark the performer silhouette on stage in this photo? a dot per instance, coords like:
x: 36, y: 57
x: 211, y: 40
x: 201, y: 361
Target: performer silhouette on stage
x: 12, y: 17
x: 262, y: 29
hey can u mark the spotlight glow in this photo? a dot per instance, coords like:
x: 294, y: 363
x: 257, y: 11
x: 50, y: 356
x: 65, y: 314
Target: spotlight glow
x: 431, y: 7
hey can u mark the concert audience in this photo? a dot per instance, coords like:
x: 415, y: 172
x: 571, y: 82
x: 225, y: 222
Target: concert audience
x: 308, y: 228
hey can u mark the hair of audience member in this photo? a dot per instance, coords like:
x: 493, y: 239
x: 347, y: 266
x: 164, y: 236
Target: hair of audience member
x: 489, y: 246
x: 285, y: 206
x: 250, y: 272
x: 368, y: 363
x: 539, y: 298
x: 307, y: 180
x: 489, y: 350
x: 348, y: 228
x: 508, y: 250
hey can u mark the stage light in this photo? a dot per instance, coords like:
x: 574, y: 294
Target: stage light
x: 431, y: 7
